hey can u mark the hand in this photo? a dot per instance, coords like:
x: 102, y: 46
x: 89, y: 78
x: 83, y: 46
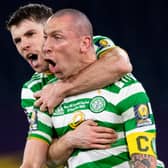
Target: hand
x: 50, y: 96
x: 89, y: 135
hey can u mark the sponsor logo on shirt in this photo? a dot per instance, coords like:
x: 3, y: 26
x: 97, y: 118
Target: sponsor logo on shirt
x: 77, y: 119
x: 33, y: 121
x: 142, y: 115
x: 97, y: 104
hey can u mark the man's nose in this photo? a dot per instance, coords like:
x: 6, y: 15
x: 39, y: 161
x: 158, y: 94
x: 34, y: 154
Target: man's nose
x: 47, y: 49
x: 25, y: 44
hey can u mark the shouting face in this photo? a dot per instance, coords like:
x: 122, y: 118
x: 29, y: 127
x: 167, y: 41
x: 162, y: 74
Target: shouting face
x: 63, y: 47
x: 28, y: 38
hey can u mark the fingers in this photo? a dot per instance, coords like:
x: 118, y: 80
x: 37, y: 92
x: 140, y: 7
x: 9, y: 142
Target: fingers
x: 89, y: 122
x: 41, y: 104
x: 101, y: 129
x: 89, y: 135
x: 50, y: 110
x: 37, y: 94
x: 99, y: 146
x: 105, y: 135
x: 100, y: 142
x: 43, y: 107
x: 112, y: 136
x: 38, y: 102
x: 105, y: 140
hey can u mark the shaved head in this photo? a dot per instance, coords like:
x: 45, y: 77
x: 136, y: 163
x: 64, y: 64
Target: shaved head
x: 81, y: 21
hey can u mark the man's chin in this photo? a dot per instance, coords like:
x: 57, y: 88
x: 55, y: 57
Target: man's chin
x: 59, y: 75
x: 40, y: 70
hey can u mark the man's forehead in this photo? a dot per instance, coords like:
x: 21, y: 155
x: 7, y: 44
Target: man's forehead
x: 25, y: 26
x: 58, y: 24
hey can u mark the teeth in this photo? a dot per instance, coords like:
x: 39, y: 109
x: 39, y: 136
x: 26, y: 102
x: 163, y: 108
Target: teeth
x: 51, y: 62
x: 29, y: 55
x: 32, y: 56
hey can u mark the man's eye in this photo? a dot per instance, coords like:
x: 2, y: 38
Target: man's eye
x: 16, y: 41
x: 30, y: 34
x: 45, y: 37
x: 57, y: 37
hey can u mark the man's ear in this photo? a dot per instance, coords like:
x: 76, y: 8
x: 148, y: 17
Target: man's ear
x: 86, y: 42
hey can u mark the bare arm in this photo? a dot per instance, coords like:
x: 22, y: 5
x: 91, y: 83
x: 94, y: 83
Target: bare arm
x: 86, y: 136
x: 108, y: 69
x: 35, y: 154
x: 143, y: 161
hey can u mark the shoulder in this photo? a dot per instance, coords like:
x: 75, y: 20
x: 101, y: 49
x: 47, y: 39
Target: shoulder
x: 127, y: 82
x: 102, y: 41
x: 34, y: 80
x: 28, y: 90
x: 102, y: 44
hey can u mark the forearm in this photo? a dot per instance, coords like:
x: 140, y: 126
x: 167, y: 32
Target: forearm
x: 111, y: 66
x: 85, y: 136
x: 35, y: 154
x: 108, y: 69
x: 143, y: 161
x: 59, y: 151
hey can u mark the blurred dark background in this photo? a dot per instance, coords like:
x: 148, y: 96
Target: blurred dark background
x: 139, y: 26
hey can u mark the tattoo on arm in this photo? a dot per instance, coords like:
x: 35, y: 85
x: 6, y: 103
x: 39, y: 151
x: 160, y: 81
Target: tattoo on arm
x: 143, y: 161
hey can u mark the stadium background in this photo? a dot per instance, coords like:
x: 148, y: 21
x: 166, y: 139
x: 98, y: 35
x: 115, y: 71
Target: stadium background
x: 139, y: 26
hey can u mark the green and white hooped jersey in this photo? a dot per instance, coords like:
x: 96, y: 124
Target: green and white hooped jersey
x: 102, y: 45
x: 40, y: 123
x: 95, y: 106
x: 123, y: 106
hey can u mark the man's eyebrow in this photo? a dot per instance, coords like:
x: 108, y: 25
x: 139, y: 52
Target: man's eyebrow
x: 29, y: 31
x: 56, y: 32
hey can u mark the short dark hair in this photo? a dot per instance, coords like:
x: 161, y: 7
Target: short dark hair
x: 34, y: 11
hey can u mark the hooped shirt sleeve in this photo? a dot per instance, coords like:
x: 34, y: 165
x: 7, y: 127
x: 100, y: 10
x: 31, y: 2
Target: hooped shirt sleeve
x: 40, y: 123
x: 102, y: 44
x: 138, y: 121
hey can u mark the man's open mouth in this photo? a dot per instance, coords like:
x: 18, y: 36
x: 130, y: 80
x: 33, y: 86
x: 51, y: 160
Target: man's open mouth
x: 50, y: 62
x: 32, y: 57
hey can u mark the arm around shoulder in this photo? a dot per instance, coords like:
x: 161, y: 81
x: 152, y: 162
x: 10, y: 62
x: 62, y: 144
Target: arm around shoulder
x: 35, y: 154
x: 112, y: 65
x: 118, y: 62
